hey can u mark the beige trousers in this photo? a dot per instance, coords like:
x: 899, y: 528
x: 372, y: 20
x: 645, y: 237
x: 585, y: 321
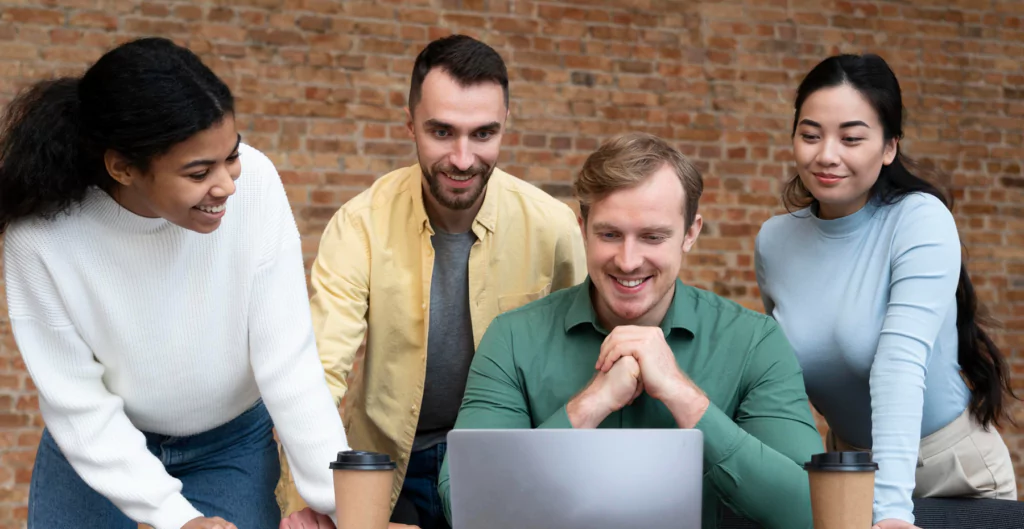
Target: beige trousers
x: 962, y: 459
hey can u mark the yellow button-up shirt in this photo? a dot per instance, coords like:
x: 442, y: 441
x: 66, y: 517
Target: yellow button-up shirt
x: 372, y: 277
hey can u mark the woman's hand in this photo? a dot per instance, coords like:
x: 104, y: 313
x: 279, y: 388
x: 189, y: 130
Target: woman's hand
x: 209, y: 523
x: 894, y: 523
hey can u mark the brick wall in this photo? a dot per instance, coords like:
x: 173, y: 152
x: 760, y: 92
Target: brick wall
x: 321, y: 86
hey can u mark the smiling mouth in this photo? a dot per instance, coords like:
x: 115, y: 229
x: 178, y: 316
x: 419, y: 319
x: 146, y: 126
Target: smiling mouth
x: 459, y: 178
x: 213, y: 209
x: 631, y: 283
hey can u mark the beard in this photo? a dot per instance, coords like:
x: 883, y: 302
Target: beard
x: 457, y: 198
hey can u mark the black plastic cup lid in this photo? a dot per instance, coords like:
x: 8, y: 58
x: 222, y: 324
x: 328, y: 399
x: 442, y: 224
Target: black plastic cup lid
x: 360, y: 460
x: 842, y: 462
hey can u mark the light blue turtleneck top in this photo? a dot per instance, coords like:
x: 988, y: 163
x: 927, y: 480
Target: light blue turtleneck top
x: 868, y: 303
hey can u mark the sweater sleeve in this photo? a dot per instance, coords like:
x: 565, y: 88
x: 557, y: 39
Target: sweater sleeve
x: 86, y: 420
x: 284, y: 355
x: 925, y: 261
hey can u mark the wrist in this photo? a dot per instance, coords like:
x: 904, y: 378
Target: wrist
x: 586, y: 411
x: 687, y: 406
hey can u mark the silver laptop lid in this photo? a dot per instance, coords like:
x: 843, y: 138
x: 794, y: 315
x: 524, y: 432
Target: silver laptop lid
x: 576, y: 479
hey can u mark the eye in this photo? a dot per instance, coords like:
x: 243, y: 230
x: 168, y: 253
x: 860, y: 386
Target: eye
x: 607, y: 235
x: 199, y: 177
x: 441, y: 133
x: 654, y: 238
x: 233, y: 157
x: 484, y: 134
x: 852, y: 139
x: 809, y: 137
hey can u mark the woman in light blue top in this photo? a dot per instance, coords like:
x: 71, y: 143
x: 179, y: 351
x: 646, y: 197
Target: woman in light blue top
x: 867, y: 282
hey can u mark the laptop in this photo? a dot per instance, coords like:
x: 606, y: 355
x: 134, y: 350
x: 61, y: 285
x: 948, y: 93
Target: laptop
x: 576, y: 479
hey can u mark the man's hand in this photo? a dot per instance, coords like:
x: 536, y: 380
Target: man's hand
x: 894, y: 523
x: 209, y: 523
x: 307, y: 519
x: 663, y: 380
x: 606, y: 393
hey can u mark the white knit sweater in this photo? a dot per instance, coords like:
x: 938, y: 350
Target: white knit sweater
x: 131, y: 324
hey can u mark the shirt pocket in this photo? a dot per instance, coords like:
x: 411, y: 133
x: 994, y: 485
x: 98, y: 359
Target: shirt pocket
x: 514, y: 301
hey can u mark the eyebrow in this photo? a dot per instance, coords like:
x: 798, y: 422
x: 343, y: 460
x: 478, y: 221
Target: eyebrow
x: 606, y: 226
x: 843, y: 125
x: 196, y: 163
x: 442, y: 125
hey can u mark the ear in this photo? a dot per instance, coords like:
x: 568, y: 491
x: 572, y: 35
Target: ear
x: 408, y: 122
x: 691, y: 234
x: 583, y: 229
x: 118, y: 167
x: 889, y: 153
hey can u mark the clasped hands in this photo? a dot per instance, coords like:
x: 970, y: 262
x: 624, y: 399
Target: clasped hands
x: 635, y: 360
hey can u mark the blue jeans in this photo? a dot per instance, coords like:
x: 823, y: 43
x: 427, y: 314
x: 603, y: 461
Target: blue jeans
x: 419, y: 503
x: 229, y: 471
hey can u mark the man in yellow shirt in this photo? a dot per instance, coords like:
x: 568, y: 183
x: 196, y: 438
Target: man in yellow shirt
x: 421, y: 263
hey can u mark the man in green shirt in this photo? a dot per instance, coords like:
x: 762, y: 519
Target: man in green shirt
x: 633, y: 347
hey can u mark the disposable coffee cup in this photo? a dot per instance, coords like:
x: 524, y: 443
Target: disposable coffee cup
x: 362, y: 489
x: 842, y: 489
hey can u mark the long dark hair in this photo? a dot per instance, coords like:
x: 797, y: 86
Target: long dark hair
x: 139, y: 100
x: 984, y: 367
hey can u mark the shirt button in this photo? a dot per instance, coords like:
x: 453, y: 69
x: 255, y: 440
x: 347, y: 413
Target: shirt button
x: 423, y: 306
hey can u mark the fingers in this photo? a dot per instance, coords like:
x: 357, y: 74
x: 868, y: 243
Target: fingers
x: 324, y: 522
x: 617, y: 336
x: 616, y: 351
x: 634, y: 338
x: 639, y: 390
x: 291, y: 522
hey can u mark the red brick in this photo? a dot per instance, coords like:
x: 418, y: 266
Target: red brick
x: 145, y: 26
x: 220, y: 14
x: 44, y: 17
x: 459, y: 20
x: 314, y: 23
x: 92, y: 19
x: 515, y: 25
x: 70, y: 54
x: 252, y: 18
x: 368, y: 10
x: 428, y: 17
x: 188, y: 12
x: 276, y: 37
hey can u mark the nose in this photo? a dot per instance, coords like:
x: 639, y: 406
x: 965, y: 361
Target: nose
x: 628, y: 258
x: 828, y: 156
x: 462, y: 157
x: 224, y: 186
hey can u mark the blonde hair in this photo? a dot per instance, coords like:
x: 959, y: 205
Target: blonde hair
x: 627, y: 160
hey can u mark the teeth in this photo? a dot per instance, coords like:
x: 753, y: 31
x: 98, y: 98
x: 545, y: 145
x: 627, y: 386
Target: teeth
x: 462, y: 178
x: 213, y: 209
x: 630, y: 283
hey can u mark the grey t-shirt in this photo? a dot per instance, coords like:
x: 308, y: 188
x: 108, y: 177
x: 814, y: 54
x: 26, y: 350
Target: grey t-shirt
x: 449, y: 338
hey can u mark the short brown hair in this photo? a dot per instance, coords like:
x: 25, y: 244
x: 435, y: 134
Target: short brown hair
x: 629, y: 159
x: 465, y: 59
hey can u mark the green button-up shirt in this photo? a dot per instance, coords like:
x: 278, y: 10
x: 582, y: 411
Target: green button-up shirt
x: 757, y: 432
